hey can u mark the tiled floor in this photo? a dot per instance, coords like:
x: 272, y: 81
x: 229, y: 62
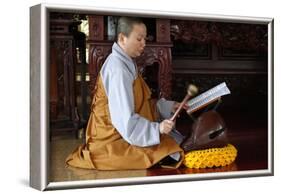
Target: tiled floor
x: 61, y: 147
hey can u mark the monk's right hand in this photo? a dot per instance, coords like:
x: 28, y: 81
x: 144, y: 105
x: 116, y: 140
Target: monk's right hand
x: 166, y: 126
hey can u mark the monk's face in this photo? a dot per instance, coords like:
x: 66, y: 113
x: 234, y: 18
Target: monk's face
x: 134, y: 44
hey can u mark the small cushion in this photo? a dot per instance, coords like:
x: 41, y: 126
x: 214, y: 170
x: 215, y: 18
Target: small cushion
x: 208, y: 158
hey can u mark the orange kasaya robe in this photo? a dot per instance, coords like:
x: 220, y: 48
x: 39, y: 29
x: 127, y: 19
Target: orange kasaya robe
x: 105, y: 149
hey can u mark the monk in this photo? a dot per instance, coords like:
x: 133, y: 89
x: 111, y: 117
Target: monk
x: 123, y: 130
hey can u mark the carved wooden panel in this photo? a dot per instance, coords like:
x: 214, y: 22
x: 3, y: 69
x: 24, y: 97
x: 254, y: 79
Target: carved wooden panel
x: 63, y: 106
x: 62, y: 70
x: 96, y: 27
x: 163, y: 30
x: 97, y: 55
x: 64, y: 114
x: 53, y: 84
x: 158, y: 55
x: 227, y: 35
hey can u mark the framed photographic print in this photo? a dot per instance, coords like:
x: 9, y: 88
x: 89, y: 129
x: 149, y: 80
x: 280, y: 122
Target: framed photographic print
x: 195, y: 102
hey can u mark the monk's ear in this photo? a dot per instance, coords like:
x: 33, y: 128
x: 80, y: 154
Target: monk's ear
x: 121, y: 38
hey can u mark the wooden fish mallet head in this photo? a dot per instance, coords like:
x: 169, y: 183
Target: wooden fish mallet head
x: 192, y: 90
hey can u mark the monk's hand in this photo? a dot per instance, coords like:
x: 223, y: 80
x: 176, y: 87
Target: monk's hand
x: 166, y: 126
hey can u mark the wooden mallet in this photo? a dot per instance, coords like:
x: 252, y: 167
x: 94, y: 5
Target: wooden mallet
x: 191, y: 91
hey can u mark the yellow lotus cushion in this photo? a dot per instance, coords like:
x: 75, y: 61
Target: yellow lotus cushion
x: 208, y: 158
